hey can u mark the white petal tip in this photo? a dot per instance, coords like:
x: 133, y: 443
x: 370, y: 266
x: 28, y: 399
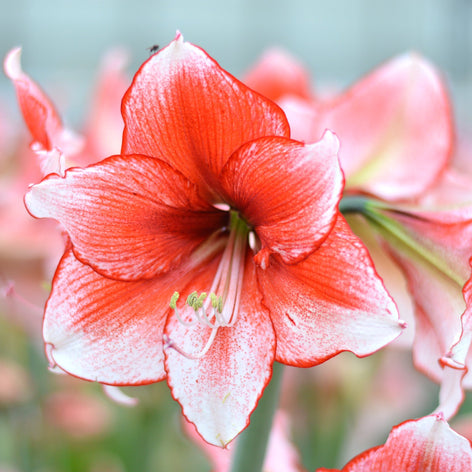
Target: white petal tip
x: 330, y: 138
x: 12, y: 64
x: 117, y: 395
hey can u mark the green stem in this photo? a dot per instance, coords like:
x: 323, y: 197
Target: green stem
x: 252, y: 442
x: 391, y: 229
x: 353, y: 204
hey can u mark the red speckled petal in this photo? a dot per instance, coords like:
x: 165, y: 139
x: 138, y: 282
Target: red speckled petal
x: 332, y: 301
x: 219, y: 391
x: 427, y: 444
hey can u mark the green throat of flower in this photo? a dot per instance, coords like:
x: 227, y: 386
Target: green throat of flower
x: 219, y: 307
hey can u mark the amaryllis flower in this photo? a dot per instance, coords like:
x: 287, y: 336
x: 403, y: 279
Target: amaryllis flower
x: 210, y: 248
x: 427, y: 445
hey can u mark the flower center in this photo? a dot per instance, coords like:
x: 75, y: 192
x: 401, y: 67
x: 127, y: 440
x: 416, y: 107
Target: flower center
x: 220, y: 308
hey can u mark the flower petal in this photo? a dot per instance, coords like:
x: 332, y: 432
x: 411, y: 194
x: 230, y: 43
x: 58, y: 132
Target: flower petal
x: 129, y: 217
x: 439, y: 304
x: 287, y: 191
x: 456, y: 362
x: 219, y: 391
x: 398, y: 115
x: 39, y: 113
x: 183, y: 108
x: 393, y: 277
x: 332, y: 301
x: 111, y: 331
x: 105, y: 330
x: 427, y: 444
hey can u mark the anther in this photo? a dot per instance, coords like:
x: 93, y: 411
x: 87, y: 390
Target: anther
x: 173, y: 300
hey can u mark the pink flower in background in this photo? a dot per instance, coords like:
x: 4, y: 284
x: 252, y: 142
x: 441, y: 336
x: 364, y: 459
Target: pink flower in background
x: 281, y: 455
x: 396, y: 135
x: 56, y: 146
x: 30, y: 250
x: 278, y: 75
x: 209, y: 199
x: 427, y: 445
x: 395, y: 127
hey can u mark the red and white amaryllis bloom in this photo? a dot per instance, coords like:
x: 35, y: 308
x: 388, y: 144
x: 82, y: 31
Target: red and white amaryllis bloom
x: 210, y: 248
x: 426, y: 445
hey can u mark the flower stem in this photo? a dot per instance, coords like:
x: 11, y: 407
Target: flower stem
x: 353, y: 204
x: 252, y: 442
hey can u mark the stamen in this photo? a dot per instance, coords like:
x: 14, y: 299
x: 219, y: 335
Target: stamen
x: 219, y: 309
x: 169, y: 344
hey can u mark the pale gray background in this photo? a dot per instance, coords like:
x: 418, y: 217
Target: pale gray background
x: 339, y: 40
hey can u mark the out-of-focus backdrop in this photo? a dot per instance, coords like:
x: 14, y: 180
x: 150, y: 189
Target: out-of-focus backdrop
x: 52, y: 423
x: 339, y: 40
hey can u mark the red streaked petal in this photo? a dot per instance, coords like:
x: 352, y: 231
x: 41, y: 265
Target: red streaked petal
x: 395, y: 127
x: 106, y: 330
x: 332, y: 301
x: 287, y: 191
x: 183, y: 108
x: 427, y: 444
x: 219, y: 391
x: 38, y: 112
x: 129, y: 217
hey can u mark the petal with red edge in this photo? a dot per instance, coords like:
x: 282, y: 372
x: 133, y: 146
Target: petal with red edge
x: 391, y: 274
x: 332, y: 301
x: 38, y: 112
x: 439, y: 304
x: 129, y: 217
x: 219, y: 391
x: 395, y: 127
x: 106, y: 330
x: 456, y: 363
x: 427, y: 444
x: 183, y: 108
x: 287, y: 191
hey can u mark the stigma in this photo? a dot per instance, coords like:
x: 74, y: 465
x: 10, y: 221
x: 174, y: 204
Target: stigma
x: 219, y: 307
